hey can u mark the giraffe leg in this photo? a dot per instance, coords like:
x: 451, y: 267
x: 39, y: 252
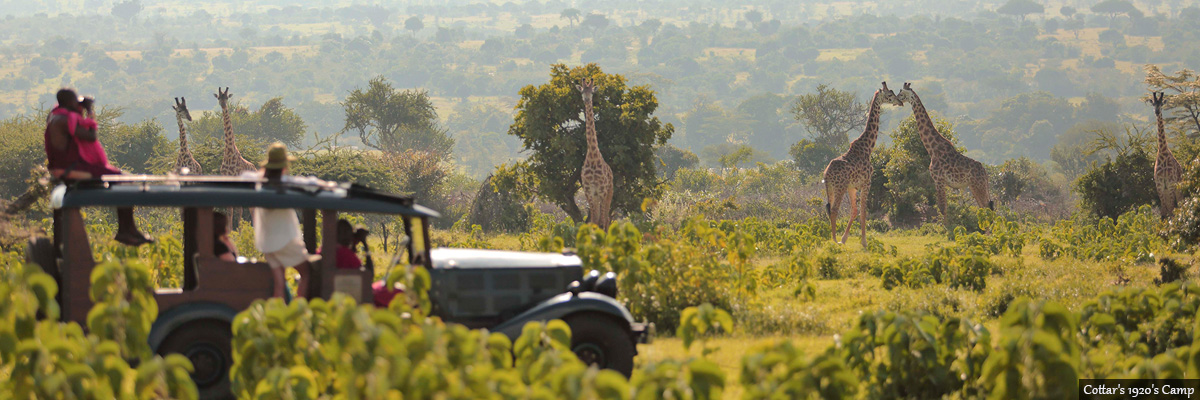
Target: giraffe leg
x: 940, y: 188
x: 1163, y: 199
x: 591, y: 207
x: 1170, y: 200
x: 980, y: 192
x: 862, y: 217
x: 853, y: 213
x: 603, y: 216
x: 831, y: 207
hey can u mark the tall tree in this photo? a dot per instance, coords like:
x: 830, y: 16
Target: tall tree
x: 753, y: 16
x: 1021, y: 8
x: 829, y: 114
x: 392, y: 120
x: 414, y: 24
x: 549, y: 122
x: 571, y: 15
x: 127, y: 10
x: 1114, y: 7
x: 595, y: 21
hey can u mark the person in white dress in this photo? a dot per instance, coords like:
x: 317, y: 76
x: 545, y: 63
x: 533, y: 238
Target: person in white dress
x: 277, y: 230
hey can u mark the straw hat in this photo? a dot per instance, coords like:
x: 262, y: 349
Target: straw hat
x: 277, y: 157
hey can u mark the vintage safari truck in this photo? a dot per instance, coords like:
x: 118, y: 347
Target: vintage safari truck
x: 497, y: 290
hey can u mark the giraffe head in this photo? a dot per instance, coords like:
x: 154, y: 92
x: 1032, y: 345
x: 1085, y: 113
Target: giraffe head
x: 888, y: 96
x: 586, y: 87
x: 1157, y: 99
x: 223, y: 97
x: 181, y: 110
x: 907, y: 95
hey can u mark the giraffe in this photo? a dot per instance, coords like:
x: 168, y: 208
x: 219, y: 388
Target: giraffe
x: 232, y: 163
x: 1167, y: 171
x: 947, y: 166
x: 185, y: 159
x: 851, y: 172
x: 597, y: 177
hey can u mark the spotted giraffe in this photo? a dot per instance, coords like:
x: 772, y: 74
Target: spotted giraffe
x: 232, y: 163
x: 851, y: 172
x: 596, y: 177
x: 185, y: 160
x: 947, y: 166
x: 1167, y: 171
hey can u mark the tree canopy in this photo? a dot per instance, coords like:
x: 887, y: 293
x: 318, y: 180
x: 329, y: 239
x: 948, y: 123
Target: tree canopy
x: 549, y: 121
x: 393, y: 120
x: 1021, y: 8
x: 830, y: 114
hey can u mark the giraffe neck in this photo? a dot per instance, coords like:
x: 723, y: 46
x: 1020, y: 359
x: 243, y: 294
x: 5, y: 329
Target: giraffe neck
x: 231, y: 150
x: 589, y: 122
x: 930, y: 137
x: 183, y: 143
x: 1163, y: 148
x: 866, y: 141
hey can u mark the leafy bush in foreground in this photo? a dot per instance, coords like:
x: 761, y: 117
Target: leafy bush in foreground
x: 50, y: 359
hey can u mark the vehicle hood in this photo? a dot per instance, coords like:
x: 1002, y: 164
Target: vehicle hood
x: 476, y: 258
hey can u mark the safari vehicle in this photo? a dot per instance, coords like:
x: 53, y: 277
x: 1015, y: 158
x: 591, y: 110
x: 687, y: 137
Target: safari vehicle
x: 498, y: 290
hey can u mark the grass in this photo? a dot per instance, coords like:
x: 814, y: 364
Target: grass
x: 839, y: 301
x: 840, y: 54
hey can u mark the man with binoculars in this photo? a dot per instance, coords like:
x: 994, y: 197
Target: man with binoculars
x: 74, y: 152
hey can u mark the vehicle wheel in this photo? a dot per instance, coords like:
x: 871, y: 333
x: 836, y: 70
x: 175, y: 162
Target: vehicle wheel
x: 602, y: 340
x: 207, y: 343
x: 40, y: 251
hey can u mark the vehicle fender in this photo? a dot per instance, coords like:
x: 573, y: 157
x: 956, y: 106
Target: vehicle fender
x: 184, y: 313
x: 561, y: 306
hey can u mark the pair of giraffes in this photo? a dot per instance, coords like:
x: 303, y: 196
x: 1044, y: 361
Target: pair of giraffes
x: 851, y: 172
x: 232, y: 163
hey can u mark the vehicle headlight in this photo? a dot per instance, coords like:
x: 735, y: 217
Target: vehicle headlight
x: 588, y: 283
x: 607, y: 285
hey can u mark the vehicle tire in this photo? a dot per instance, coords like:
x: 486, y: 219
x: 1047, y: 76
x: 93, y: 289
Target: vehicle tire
x: 40, y: 251
x: 602, y: 340
x: 208, y: 344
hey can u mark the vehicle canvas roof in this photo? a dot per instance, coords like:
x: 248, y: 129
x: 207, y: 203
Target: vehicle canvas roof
x: 225, y: 191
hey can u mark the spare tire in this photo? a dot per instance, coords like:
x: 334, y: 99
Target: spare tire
x: 602, y: 340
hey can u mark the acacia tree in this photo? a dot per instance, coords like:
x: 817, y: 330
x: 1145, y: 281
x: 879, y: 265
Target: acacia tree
x: 549, y: 121
x: 391, y: 120
x: 571, y: 15
x: 1182, y: 109
x: 127, y: 10
x: 1114, y: 7
x: 1021, y: 8
x: 414, y: 24
x: 829, y: 115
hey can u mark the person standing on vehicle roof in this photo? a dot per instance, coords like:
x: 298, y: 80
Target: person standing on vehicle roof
x: 74, y: 152
x: 277, y: 230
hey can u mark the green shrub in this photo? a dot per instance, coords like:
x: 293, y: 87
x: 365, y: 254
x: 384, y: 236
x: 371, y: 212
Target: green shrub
x: 1132, y: 238
x: 779, y: 369
x: 1120, y: 185
x: 827, y: 267
x: 50, y: 359
x: 970, y: 272
x: 1169, y: 271
x: 1036, y: 341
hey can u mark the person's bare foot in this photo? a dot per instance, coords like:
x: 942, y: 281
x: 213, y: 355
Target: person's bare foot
x: 133, y: 238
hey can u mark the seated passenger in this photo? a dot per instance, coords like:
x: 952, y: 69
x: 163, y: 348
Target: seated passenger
x: 346, y: 257
x: 223, y: 248
x: 277, y: 230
